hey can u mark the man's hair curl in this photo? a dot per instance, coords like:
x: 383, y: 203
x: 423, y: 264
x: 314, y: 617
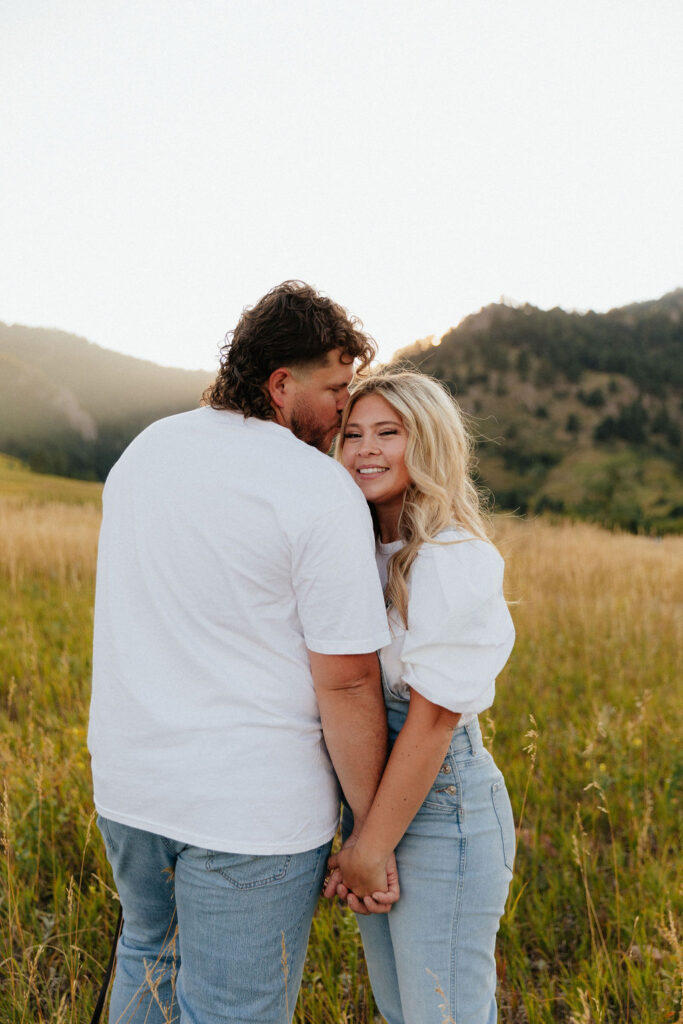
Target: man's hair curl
x: 292, y: 326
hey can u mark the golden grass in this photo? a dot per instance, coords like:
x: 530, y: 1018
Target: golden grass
x: 48, y: 524
x: 594, y: 923
x: 577, y: 575
x: 52, y: 539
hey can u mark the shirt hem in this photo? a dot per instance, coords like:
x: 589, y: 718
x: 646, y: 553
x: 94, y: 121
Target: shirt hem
x: 475, y: 705
x: 366, y: 646
x: 220, y: 844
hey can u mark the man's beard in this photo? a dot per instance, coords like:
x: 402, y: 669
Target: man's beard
x: 307, y: 428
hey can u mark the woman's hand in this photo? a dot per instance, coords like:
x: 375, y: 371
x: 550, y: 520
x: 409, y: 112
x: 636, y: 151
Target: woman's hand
x: 379, y: 902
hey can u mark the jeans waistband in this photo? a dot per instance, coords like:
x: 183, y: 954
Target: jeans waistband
x: 465, y: 737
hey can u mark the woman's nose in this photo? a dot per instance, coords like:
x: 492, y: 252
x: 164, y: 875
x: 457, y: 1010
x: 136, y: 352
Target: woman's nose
x: 368, y: 447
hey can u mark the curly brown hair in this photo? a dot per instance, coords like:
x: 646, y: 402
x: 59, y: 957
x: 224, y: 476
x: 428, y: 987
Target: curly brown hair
x: 293, y: 325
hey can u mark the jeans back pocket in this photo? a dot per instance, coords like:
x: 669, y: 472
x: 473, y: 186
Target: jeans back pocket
x: 244, y: 871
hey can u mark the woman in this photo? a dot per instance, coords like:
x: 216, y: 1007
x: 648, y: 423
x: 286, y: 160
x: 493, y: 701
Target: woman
x: 442, y: 803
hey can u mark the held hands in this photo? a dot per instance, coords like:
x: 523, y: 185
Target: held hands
x: 368, y: 886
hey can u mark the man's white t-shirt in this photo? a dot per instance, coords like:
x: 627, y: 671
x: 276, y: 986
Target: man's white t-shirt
x: 228, y: 547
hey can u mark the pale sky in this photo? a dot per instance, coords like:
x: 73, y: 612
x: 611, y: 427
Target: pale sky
x: 165, y: 163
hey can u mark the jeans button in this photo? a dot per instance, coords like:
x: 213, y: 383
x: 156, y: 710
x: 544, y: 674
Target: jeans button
x: 452, y: 790
x: 446, y: 768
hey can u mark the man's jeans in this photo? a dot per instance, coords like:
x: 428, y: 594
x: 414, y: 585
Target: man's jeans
x: 208, y: 937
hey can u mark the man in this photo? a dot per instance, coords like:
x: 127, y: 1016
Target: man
x: 237, y: 614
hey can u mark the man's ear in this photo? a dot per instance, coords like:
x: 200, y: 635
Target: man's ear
x: 278, y: 386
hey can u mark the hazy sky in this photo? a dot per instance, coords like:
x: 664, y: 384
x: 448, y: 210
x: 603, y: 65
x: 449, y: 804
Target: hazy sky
x: 165, y: 163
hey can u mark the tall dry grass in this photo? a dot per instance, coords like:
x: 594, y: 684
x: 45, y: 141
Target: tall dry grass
x: 51, y: 539
x: 593, y: 928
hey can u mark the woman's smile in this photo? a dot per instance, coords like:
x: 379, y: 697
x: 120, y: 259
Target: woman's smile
x: 373, y: 451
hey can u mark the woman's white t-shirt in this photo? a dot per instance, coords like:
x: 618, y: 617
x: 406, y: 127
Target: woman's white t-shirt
x: 459, y: 633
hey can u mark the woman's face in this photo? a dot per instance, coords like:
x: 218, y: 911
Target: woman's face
x: 373, y: 451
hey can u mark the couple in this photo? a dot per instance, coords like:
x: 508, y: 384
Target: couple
x: 236, y: 685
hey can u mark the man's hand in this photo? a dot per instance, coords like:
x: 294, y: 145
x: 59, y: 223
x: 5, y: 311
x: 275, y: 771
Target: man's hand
x: 358, y: 875
x: 368, y: 887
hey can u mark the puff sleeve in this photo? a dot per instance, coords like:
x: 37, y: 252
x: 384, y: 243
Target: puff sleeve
x: 460, y: 632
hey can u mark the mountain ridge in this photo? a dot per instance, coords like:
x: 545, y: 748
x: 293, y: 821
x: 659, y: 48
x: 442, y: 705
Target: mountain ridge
x: 69, y: 406
x: 579, y: 414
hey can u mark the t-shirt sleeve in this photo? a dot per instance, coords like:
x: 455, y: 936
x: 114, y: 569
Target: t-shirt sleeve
x: 460, y: 632
x: 336, y: 582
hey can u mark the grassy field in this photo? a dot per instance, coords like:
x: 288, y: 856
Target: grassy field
x: 586, y: 726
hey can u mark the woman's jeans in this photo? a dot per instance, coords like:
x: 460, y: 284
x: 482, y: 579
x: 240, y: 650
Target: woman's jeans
x: 431, y: 959
x: 208, y: 937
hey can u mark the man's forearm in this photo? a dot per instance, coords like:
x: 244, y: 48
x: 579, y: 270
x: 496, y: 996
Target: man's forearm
x: 354, y: 724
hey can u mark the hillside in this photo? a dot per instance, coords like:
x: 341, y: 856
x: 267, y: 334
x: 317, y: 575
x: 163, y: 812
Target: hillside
x: 19, y: 485
x: 575, y: 413
x: 579, y: 414
x: 69, y: 407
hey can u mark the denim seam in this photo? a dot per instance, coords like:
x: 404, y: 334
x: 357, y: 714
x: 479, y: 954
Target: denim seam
x: 461, y: 791
x: 310, y: 889
x: 103, y: 825
x: 297, y: 928
x: 324, y: 852
x: 246, y: 886
x: 455, y: 928
x: 495, y: 789
x: 169, y: 844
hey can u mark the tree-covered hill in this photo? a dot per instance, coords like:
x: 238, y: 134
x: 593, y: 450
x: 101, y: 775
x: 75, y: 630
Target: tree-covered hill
x: 69, y: 407
x: 575, y: 413
x: 579, y: 414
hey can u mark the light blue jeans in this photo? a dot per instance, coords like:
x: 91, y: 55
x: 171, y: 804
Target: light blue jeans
x: 431, y: 959
x: 208, y: 937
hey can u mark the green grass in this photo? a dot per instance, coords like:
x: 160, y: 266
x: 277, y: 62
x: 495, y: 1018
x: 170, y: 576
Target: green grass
x: 18, y: 483
x: 593, y: 927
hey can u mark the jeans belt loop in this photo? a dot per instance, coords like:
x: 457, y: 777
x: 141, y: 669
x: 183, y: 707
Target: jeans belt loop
x: 473, y: 734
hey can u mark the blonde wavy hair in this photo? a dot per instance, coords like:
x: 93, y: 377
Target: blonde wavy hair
x: 439, y: 460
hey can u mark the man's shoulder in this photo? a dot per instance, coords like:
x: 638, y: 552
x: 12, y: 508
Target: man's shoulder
x: 312, y: 477
x: 159, y: 434
x: 329, y: 485
x: 166, y: 427
x: 253, y: 455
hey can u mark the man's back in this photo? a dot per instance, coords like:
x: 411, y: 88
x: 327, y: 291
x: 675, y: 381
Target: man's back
x: 237, y: 615
x: 223, y: 546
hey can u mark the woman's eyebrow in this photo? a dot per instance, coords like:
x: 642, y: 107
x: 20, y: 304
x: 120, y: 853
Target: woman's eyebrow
x: 379, y: 423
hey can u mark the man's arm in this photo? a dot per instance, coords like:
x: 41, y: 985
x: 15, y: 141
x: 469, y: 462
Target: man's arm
x: 354, y: 724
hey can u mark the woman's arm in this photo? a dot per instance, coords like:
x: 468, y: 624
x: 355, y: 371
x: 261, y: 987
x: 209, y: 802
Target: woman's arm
x: 414, y: 763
